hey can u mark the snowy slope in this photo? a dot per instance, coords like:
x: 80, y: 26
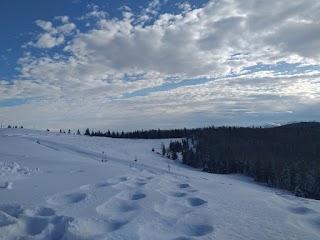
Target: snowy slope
x: 62, y: 190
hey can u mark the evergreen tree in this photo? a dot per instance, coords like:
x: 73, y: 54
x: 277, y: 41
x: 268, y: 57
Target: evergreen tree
x: 163, y: 150
x: 87, y: 132
x: 174, y: 156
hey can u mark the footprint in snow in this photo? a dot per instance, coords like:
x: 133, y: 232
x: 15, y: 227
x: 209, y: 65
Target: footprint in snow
x: 138, y: 196
x: 103, y: 184
x: 140, y: 184
x: 182, y: 238
x: 301, y: 210
x: 74, y: 197
x: 70, y: 198
x: 193, y: 191
x: 199, y: 230
x: 40, y: 211
x: 194, y: 202
x: 195, y: 225
x: 116, y: 207
x: 183, y: 185
x: 177, y: 194
x: 116, y: 181
x: 23, y: 223
x: 315, y: 224
x: 92, y: 228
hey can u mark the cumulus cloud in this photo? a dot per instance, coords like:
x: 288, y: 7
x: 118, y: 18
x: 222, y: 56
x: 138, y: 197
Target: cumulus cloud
x: 46, y: 40
x: 221, y: 40
x: 202, y: 42
x: 52, y: 36
x: 186, y: 7
x: 95, y: 12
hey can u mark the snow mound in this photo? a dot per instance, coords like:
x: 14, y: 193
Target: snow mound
x: 8, y: 185
x: 14, y: 168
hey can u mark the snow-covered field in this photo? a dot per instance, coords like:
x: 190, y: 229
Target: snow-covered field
x: 54, y: 186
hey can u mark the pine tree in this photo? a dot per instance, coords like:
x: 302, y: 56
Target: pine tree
x: 174, y: 156
x: 163, y: 150
x: 87, y: 133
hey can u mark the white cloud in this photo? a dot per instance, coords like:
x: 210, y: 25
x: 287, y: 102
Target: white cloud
x: 46, y: 40
x: 63, y: 19
x: 221, y: 38
x: 95, y: 12
x: 199, y: 43
x: 52, y: 36
x: 47, y: 26
x: 186, y: 7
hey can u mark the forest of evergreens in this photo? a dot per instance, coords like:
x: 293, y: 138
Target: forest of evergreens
x: 286, y: 157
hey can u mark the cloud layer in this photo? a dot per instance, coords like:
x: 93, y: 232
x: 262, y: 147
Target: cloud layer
x: 154, y: 56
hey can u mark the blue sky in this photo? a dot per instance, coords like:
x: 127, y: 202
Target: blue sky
x: 126, y: 65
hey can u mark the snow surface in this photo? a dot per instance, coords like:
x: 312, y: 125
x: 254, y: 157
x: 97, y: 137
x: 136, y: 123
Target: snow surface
x: 62, y: 190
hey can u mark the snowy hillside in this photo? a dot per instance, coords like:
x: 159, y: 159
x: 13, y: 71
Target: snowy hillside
x: 55, y: 186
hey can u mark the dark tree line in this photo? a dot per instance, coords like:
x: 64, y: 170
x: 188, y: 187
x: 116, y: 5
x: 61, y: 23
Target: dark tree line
x: 286, y: 157
x: 143, y: 134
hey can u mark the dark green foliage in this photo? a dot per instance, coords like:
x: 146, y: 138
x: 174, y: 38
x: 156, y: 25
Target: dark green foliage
x: 174, y: 156
x: 286, y: 157
x: 87, y: 132
x: 163, y: 150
